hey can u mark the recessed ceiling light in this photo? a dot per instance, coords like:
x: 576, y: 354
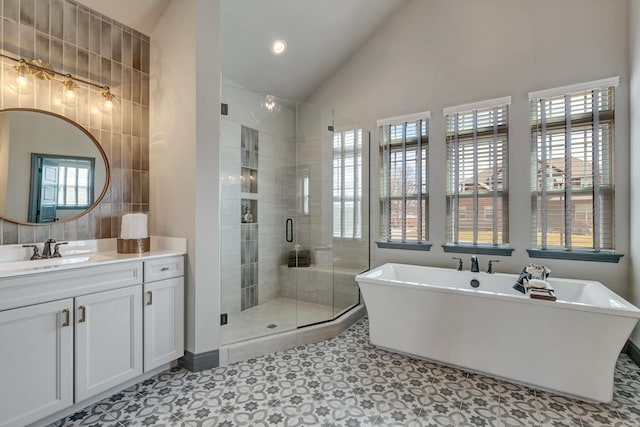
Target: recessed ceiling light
x: 278, y: 47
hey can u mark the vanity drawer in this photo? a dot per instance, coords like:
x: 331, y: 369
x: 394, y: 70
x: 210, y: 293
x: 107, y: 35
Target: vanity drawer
x: 51, y: 286
x: 163, y: 268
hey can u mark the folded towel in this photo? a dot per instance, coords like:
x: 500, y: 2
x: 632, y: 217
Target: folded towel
x: 538, y: 284
x: 540, y: 293
x: 531, y: 272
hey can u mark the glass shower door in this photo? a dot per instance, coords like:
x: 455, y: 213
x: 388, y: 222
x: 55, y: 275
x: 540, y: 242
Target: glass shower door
x: 314, y: 214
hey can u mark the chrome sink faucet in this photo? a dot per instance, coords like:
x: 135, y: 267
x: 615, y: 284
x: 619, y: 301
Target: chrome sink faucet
x: 46, y: 250
x: 475, y: 268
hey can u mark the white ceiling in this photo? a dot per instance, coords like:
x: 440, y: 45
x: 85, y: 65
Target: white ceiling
x: 141, y: 15
x: 320, y: 34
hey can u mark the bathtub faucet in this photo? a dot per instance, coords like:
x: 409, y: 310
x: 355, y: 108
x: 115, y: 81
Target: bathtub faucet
x: 460, y: 267
x: 474, y: 264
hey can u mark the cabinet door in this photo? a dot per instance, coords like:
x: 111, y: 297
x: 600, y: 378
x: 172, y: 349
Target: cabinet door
x: 163, y: 322
x: 36, y: 361
x: 108, y: 339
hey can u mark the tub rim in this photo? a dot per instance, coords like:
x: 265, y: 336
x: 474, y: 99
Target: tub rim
x: 629, y: 311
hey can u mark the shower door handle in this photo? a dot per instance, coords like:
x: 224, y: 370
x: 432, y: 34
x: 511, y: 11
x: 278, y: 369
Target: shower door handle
x: 289, y: 230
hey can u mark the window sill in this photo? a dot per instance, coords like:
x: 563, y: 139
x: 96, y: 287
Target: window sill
x: 413, y: 246
x: 478, y: 249
x: 575, y: 255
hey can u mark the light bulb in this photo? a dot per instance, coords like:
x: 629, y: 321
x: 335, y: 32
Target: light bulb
x: 279, y: 47
x: 22, y: 80
x: 270, y: 105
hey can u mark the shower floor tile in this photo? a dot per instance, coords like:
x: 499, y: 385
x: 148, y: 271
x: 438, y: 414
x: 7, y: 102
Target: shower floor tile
x: 346, y: 381
x: 285, y: 313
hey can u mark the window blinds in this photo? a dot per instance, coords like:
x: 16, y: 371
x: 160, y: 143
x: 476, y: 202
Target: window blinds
x: 477, y: 173
x: 347, y: 184
x: 403, y: 181
x: 572, y: 136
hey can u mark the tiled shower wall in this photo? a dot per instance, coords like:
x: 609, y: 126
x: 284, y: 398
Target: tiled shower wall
x: 77, y: 40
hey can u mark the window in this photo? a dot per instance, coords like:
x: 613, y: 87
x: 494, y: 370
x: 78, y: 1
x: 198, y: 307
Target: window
x: 488, y: 213
x: 73, y: 184
x: 572, y: 138
x: 404, y: 201
x: 477, y: 174
x: 347, y: 184
x: 462, y: 212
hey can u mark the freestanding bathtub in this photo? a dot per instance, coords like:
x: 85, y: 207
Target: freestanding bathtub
x: 568, y: 346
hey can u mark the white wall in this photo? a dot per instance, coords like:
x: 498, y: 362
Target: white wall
x: 439, y: 53
x: 184, y: 154
x: 634, y: 68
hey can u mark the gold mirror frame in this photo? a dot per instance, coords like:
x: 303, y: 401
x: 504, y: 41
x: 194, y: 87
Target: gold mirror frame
x: 107, y: 168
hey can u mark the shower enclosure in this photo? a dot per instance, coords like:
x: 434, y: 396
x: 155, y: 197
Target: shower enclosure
x: 295, y: 217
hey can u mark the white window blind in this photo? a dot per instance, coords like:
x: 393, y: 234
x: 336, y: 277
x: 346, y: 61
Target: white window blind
x: 404, y: 201
x: 572, y: 137
x: 347, y: 184
x: 477, y: 174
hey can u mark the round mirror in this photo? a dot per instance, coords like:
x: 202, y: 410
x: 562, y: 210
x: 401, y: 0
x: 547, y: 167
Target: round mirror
x: 51, y: 169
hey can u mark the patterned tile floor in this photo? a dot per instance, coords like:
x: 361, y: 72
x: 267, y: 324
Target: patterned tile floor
x: 346, y: 382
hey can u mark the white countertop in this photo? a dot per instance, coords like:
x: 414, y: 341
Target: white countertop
x: 14, y: 259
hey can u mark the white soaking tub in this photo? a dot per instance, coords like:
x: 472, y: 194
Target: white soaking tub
x: 568, y: 346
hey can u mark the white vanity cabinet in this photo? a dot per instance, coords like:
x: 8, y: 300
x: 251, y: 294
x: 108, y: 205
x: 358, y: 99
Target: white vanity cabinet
x: 36, y: 361
x: 108, y: 340
x: 73, y: 335
x: 163, y: 311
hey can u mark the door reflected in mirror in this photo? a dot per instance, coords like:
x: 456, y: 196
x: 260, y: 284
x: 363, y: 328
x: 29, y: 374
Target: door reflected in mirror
x: 50, y: 168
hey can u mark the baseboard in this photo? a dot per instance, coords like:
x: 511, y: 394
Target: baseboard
x: 634, y: 352
x: 201, y: 361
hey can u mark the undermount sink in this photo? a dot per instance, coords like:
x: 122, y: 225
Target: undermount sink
x: 29, y: 265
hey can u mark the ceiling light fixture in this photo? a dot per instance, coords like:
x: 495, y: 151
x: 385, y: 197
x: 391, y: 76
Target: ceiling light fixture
x: 270, y: 105
x: 279, y: 47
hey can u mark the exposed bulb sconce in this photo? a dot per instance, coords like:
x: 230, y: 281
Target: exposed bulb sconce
x: 68, y: 92
x: 109, y: 101
x: 24, y: 81
x: 270, y: 105
x: 69, y: 89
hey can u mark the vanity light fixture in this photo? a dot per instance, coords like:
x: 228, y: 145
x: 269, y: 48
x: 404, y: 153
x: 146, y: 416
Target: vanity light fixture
x: 39, y: 69
x: 279, y: 47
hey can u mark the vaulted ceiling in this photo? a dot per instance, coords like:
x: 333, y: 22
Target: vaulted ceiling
x: 320, y: 36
